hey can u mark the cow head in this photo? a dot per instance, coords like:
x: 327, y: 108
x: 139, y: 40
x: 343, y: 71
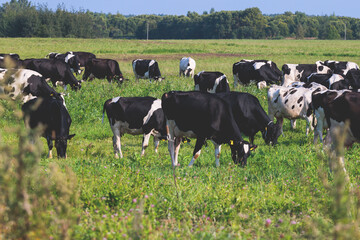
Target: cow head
x: 187, y: 72
x: 240, y: 151
x: 271, y: 133
x: 61, y: 145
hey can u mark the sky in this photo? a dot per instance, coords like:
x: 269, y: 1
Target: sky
x: 348, y: 8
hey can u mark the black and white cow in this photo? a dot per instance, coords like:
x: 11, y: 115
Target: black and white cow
x: 300, y: 72
x: 212, y: 82
x: 331, y: 81
x: 353, y: 76
x: 146, y: 69
x: 103, y: 68
x: 13, y: 56
x: 203, y: 116
x: 55, y: 69
x: 292, y: 103
x: 187, y: 67
x: 339, y: 67
x: 69, y: 58
x: 251, y: 117
x: 82, y: 57
x: 135, y: 115
x: 25, y: 84
x: 51, y: 113
x: 259, y: 71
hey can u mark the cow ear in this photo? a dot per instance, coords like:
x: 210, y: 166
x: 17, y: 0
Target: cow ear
x: 70, y: 136
x: 253, y: 147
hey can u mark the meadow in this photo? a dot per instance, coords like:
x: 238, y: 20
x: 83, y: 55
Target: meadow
x: 285, y: 191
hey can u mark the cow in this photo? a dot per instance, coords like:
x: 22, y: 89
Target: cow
x: 292, y: 103
x: 146, y: 69
x: 353, y: 76
x: 82, y: 57
x: 320, y: 102
x: 250, y: 117
x: 212, y: 82
x: 203, y: 116
x: 52, y: 114
x: 247, y: 71
x: 187, y: 67
x: 103, y: 68
x: 13, y: 56
x: 300, y: 72
x: 331, y: 81
x: 24, y: 84
x: 339, y: 67
x: 135, y: 115
x: 55, y: 69
x: 69, y: 58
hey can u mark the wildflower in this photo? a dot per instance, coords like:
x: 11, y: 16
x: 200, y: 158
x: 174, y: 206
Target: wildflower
x: 104, y: 216
x: 103, y: 198
x: 293, y: 222
x: 152, y: 205
x: 146, y: 196
x: 267, y: 222
x: 204, y: 216
x: 134, y: 200
x: 104, y: 166
x: 280, y: 220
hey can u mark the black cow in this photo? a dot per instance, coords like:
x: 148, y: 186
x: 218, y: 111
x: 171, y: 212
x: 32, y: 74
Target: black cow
x: 83, y: 57
x: 339, y: 67
x: 53, y: 115
x: 135, y: 115
x: 69, y: 58
x: 250, y: 117
x: 55, y: 69
x: 246, y: 71
x: 331, y: 81
x: 353, y: 75
x: 203, y: 116
x: 300, y: 72
x: 103, y: 68
x: 212, y: 82
x: 14, y: 56
x: 146, y: 69
x: 25, y: 83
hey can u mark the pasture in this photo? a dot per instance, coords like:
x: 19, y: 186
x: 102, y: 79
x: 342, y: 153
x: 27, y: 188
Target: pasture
x: 285, y: 191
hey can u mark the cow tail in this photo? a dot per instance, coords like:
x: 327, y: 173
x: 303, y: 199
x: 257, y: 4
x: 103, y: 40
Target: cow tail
x: 102, y: 120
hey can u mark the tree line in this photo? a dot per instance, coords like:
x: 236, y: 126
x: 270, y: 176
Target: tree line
x: 21, y: 18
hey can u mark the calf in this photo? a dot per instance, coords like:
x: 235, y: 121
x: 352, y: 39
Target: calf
x: 55, y: 69
x: 51, y: 113
x: 135, y: 115
x: 339, y: 67
x: 331, y: 81
x: 187, y: 67
x: 103, y: 68
x: 250, y: 117
x: 212, y: 82
x: 146, y: 69
x: 300, y: 72
x: 292, y: 103
x: 24, y: 84
x: 203, y: 116
x: 69, y: 58
x: 246, y: 71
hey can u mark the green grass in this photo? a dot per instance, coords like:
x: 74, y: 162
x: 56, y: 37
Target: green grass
x: 136, y: 196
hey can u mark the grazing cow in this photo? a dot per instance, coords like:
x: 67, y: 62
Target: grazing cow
x: 300, y: 72
x: 250, y: 117
x: 203, y: 116
x: 55, y: 69
x: 68, y: 58
x: 103, y: 68
x: 333, y: 109
x: 187, y: 67
x: 292, y: 103
x: 135, y: 115
x: 212, y: 82
x: 146, y: 69
x: 14, y: 56
x: 339, y: 67
x: 51, y: 113
x: 246, y: 71
x: 25, y: 84
x: 331, y: 81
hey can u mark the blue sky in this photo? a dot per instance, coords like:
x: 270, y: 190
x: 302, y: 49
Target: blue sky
x: 350, y: 8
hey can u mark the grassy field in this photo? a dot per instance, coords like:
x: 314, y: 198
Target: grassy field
x: 286, y: 191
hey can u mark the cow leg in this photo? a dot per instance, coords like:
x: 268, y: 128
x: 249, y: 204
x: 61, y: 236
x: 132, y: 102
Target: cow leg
x: 197, y: 150
x: 318, y: 132
x: 156, y: 144
x: 293, y: 123
x: 117, y: 140
x: 280, y: 120
x: 236, y: 80
x: 180, y: 73
x: 50, y: 145
x: 251, y: 139
x: 145, y: 143
x: 217, y: 153
x: 308, y: 124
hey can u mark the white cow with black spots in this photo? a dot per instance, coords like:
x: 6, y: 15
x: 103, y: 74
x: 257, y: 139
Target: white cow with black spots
x: 187, y: 67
